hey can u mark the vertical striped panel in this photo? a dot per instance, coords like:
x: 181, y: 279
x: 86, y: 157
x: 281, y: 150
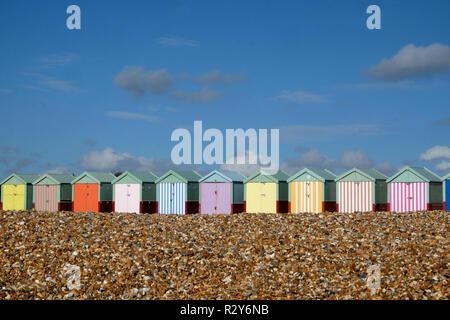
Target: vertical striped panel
x: 46, y: 198
x: 405, y: 197
x: 306, y: 196
x: 355, y: 196
x: 172, y: 198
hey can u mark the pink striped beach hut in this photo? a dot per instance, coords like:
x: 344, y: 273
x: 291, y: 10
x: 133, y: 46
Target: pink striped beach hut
x: 414, y: 189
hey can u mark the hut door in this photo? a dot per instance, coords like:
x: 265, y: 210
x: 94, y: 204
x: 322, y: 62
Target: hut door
x: 46, y: 198
x: 262, y: 202
x: 268, y: 198
x: 166, y: 198
x: 86, y: 197
x: 8, y: 197
x: 133, y: 193
x: 416, y: 196
x: 253, y: 197
x: 13, y: 197
x: 406, y: 196
x: 409, y: 197
x: 355, y: 196
x: 171, y: 198
x: 208, y: 197
x: 121, y: 199
x: 19, y: 197
x: 223, y: 197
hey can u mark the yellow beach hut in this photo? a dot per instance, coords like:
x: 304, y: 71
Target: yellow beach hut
x: 266, y: 193
x: 17, y: 191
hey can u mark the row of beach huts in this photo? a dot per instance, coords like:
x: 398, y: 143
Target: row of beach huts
x: 224, y: 192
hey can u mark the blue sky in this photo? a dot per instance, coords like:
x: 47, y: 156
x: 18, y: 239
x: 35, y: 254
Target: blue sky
x: 107, y: 97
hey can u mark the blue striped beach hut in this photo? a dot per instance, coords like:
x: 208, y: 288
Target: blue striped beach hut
x: 178, y: 192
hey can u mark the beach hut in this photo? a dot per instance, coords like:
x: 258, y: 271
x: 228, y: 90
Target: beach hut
x: 446, y: 192
x: 361, y: 190
x: 92, y: 191
x: 312, y: 191
x: 178, y: 192
x: 414, y: 189
x: 17, y: 191
x: 135, y: 192
x: 266, y: 193
x: 222, y: 192
x: 53, y: 192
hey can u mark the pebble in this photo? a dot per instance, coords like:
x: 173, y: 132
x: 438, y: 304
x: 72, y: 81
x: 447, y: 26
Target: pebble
x: 245, y: 256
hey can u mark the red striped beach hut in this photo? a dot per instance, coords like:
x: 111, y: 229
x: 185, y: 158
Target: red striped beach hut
x: 53, y: 192
x: 361, y: 190
x: 414, y: 189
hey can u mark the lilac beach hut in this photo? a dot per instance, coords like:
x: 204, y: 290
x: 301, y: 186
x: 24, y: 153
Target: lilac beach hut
x: 222, y: 192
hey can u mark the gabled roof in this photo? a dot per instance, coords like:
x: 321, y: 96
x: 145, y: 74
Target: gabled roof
x: 446, y: 177
x: 371, y: 174
x: 230, y: 176
x: 185, y: 176
x: 317, y: 173
x: 25, y: 178
x: 423, y: 173
x: 142, y: 176
x: 98, y: 176
x: 56, y: 178
x: 277, y: 177
x: 375, y: 173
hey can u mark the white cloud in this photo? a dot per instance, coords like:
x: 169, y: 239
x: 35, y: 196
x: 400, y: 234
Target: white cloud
x: 377, y: 85
x: 132, y: 116
x: 312, y: 132
x: 5, y: 91
x: 110, y: 160
x: 443, y: 166
x: 412, y: 61
x: 13, y: 160
x: 59, y: 85
x: 245, y: 169
x: 174, y: 41
x: 90, y: 142
x: 314, y: 158
x: 58, y: 60
x: 138, y: 81
x: 436, y: 153
x: 106, y: 160
x: 205, y: 95
x: 300, y: 97
x: 217, y: 77
x: 386, y: 168
x: 355, y: 159
x: 445, y: 122
x: 310, y: 158
x: 59, y: 170
x: 44, y: 83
